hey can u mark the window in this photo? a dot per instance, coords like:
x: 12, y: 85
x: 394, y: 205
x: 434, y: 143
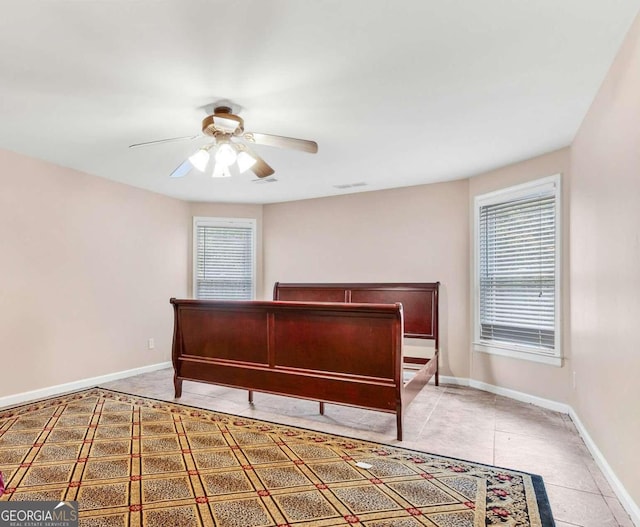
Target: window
x: 517, y: 278
x: 224, y: 258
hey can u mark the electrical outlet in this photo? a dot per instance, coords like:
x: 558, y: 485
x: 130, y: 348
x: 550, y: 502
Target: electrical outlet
x: 151, y: 344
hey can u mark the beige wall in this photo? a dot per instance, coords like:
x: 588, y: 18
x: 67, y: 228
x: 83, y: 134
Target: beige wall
x: 229, y: 210
x: 541, y: 380
x: 605, y: 266
x: 409, y: 234
x: 88, y: 267
x: 419, y: 233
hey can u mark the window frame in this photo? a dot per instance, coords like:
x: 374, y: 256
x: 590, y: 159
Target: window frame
x: 223, y: 222
x: 550, y: 185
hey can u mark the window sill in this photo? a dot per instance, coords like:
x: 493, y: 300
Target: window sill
x: 517, y: 353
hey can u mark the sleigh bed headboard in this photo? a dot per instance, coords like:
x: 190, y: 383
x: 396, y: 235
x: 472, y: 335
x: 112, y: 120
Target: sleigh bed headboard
x: 419, y: 300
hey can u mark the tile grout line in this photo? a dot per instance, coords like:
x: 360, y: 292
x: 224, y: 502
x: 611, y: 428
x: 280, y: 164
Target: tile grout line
x: 431, y: 412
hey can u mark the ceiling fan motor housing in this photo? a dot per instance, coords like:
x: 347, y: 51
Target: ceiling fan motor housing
x: 222, y: 121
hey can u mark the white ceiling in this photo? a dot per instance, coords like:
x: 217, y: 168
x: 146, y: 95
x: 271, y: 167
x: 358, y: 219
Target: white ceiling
x: 396, y: 93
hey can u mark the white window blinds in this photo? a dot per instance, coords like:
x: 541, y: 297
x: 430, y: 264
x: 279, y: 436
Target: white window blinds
x: 224, y: 258
x: 517, y: 260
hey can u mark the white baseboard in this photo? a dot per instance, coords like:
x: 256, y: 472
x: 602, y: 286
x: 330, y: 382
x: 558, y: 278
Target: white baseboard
x: 456, y: 381
x: 512, y: 394
x: 625, y: 499
x: 521, y: 396
x: 12, y: 400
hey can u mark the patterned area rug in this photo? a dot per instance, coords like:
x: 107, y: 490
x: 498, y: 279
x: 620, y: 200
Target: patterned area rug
x: 132, y: 461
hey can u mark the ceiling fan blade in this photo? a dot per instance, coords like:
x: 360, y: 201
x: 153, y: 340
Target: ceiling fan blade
x: 281, y: 142
x: 182, y: 169
x: 260, y: 168
x: 160, y: 141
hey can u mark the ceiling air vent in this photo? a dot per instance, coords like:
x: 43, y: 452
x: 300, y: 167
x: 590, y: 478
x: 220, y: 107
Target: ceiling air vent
x: 350, y: 185
x: 265, y: 180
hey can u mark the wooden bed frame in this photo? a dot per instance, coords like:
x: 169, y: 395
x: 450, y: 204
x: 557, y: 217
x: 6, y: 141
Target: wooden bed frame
x: 347, y: 353
x: 419, y: 300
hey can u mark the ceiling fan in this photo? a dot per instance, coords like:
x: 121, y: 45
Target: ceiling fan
x: 231, y: 146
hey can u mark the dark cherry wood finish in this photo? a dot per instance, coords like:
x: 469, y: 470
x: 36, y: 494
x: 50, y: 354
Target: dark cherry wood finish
x: 419, y: 302
x: 329, y: 352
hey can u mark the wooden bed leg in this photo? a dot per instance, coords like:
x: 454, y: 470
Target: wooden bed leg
x: 321, y: 408
x: 399, y: 423
x: 250, y: 396
x: 177, y: 384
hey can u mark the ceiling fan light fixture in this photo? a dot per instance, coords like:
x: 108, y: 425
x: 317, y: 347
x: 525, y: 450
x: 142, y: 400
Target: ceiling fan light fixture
x: 245, y: 161
x: 231, y: 156
x: 226, y: 155
x: 200, y: 159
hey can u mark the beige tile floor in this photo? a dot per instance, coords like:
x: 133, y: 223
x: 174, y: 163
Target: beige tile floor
x: 448, y: 420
